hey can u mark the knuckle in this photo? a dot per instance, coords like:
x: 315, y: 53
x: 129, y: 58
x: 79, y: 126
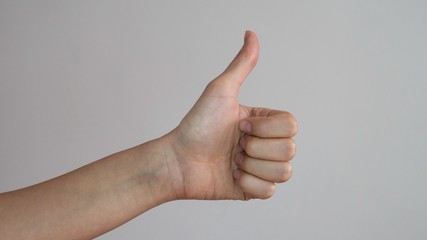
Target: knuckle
x: 290, y: 149
x: 213, y: 85
x: 294, y: 127
x: 218, y: 85
x: 269, y: 191
x: 284, y: 172
x: 291, y: 124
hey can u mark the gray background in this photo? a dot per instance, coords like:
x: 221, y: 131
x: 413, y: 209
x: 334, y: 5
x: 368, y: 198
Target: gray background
x: 82, y: 80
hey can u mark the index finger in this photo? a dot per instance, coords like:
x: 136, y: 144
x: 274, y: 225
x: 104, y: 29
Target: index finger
x: 280, y: 124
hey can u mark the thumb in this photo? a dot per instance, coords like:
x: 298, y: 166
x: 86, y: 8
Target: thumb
x: 245, y: 60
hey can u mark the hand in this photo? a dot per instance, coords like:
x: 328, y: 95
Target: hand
x: 224, y: 150
x: 220, y: 150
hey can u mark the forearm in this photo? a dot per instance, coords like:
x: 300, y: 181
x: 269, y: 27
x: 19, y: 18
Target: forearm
x: 93, y: 199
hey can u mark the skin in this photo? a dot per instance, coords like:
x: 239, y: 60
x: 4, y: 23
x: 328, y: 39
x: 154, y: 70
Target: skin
x: 220, y: 150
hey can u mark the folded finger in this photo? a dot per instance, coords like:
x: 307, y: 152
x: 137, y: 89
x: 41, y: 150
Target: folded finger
x: 276, y: 149
x: 277, y: 125
x: 254, y: 186
x: 268, y: 170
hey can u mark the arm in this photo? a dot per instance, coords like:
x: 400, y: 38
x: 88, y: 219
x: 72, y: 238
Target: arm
x: 220, y: 150
x: 93, y: 199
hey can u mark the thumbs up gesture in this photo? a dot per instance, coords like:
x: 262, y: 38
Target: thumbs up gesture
x: 224, y: 150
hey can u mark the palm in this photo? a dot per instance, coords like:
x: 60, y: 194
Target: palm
x: 208, y: 140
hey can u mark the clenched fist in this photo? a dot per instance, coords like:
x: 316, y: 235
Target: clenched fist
x: 224, y: 150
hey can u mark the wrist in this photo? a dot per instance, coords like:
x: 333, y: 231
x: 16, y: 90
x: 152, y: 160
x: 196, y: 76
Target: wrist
x: 159, y: 171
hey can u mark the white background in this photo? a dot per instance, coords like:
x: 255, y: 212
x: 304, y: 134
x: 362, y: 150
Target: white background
x: 80, y: 80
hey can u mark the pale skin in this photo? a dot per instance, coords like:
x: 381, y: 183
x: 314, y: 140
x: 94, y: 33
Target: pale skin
x: 220, y: 150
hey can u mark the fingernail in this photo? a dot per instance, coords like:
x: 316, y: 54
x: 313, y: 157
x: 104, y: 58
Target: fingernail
x: 239, y: 159
x: 246, y: 126
x: 242, y: 142
x: 246, y: 35
x: 236, y: 174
